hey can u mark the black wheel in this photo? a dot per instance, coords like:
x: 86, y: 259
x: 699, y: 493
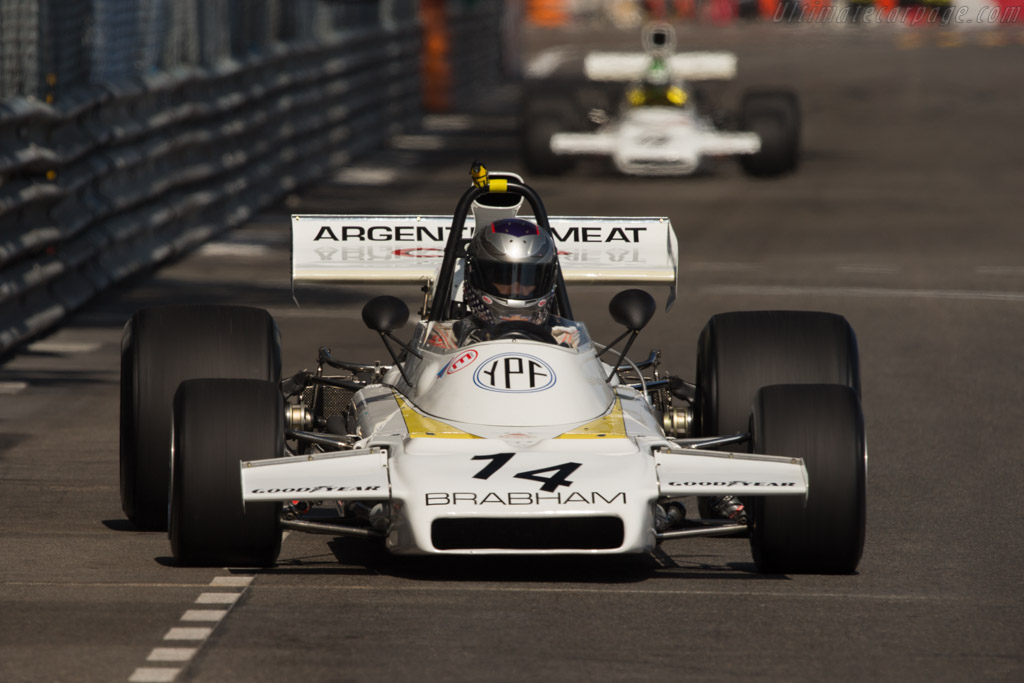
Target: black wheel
x: 823, y: 425
x: 161, y: 347
x: 740, y: 352
x: 775, y: 116
x: 217, y: 424
x: 540, y: 122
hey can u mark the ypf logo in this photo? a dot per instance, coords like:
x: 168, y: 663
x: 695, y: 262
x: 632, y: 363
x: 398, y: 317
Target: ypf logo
x: 514, y: 373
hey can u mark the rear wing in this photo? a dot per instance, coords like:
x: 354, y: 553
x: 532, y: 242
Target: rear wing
x: 686, y: 66
x: 410, y: 249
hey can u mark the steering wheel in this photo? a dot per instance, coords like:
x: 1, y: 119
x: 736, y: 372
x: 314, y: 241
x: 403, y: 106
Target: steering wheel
x: 521, y: 329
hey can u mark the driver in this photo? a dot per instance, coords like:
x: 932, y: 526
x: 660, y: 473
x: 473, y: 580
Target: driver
x: 511, y: 267
x: 655, y: 89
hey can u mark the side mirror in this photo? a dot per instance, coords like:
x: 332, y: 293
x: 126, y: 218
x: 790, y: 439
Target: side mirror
x: 632, y: 308
x: 385, y: 313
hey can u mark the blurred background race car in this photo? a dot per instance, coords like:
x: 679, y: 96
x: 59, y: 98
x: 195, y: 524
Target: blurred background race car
x: 659, y: 124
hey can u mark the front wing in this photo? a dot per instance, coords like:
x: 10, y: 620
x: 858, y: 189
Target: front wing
x: 481, y: 496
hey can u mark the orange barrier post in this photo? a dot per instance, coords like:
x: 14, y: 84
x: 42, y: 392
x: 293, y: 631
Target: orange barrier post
x: 548, y: 13
x: 767, y: 8
x: 437, y: 72
x: 885, y: 6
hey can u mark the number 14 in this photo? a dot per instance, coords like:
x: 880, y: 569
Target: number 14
x: 559, y: 477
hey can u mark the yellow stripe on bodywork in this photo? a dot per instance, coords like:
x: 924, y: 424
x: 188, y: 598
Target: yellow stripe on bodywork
x: 422, y: 427
x: 610, y: 426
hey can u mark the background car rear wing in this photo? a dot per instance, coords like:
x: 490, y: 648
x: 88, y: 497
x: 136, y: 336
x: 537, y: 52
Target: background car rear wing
x: 409, y: 249
x: 687, y: 66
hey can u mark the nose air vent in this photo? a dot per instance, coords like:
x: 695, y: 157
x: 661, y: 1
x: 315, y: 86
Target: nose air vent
x: 574, y: 533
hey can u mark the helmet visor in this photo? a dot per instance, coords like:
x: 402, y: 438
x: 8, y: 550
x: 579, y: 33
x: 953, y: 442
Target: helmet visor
x: 520, y: 281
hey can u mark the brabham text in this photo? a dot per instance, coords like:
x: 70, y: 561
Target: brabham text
x: 525, y: 498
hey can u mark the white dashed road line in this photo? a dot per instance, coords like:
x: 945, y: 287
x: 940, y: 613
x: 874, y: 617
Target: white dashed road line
x: 190, y: 634
x: 867, y: 292
x: 217, y: 599
x: 547, y: 62
x: 12, y: 388
x: 204, y: 615
x: 48, y: 346
x: 999, y: 270
x: 234, y: 250
x: 171, y: 654
x: 154, y: 675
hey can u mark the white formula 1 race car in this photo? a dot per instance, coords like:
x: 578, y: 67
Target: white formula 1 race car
x: 660, y: 126
x: 514, y: 445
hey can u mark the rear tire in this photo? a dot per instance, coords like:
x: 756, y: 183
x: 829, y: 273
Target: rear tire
x: 775, y: 116
x: 160, y: 348
x: 539, y: 124
x: 217, y: 424
x: 823, y: 425
x: 740, y: 352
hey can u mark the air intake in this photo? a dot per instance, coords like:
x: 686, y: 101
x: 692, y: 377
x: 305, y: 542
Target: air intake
x: 568, y: 533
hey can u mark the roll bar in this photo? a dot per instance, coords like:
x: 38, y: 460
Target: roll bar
x: 441, y: 306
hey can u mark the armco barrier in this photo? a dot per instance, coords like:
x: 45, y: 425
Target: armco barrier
x: 110, y: 181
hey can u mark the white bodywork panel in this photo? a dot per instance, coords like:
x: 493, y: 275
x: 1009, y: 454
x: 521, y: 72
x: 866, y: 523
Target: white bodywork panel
x: 512, y: 383
x: 562, y: 445
x: 708, y: 473
x: 437, y: 479
x: 657, y: 141
x: 348, y: 475
x: 686, y: 66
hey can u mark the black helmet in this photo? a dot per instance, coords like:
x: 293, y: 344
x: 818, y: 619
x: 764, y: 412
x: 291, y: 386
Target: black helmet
x: 510, y: 272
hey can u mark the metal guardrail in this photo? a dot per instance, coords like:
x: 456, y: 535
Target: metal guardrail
x: 134, y: 130
x: 114, y: 179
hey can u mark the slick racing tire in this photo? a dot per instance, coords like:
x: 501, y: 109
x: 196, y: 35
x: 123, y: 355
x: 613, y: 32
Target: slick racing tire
x: 539, y: 123
x: 217, y: 424
x: 822, y: 424
x: 740, y: 352
x: 775, y: 116
x: 161, y: 347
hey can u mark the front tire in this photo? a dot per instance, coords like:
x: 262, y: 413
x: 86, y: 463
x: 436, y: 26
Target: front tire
x: 217, y: 424
x: 823, y: 425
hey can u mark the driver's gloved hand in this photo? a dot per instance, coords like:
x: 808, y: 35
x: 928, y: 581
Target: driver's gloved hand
x: 566, y: 336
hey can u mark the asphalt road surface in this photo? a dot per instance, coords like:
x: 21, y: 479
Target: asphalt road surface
x: 905, y: 217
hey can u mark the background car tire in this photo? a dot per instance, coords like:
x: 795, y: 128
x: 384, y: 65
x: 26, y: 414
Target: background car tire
x: 823, y: 425
x: 740, y: 352
x: 161, y: 347
x: 217, y: 424
x: 541, y: 121
x: 775, y: 116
